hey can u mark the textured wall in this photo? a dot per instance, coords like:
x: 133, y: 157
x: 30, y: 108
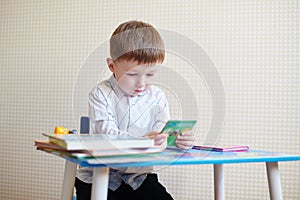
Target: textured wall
x: 254, y: 46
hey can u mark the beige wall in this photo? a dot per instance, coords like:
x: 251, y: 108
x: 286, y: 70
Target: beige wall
x: 254, y: 46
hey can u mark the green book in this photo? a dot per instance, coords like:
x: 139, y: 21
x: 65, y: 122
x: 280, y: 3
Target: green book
x: 175, y: 127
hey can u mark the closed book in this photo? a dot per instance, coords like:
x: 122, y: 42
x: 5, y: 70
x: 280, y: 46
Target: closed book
x: 98, y: 141
x: 50, y: 147
x: 222, y: 148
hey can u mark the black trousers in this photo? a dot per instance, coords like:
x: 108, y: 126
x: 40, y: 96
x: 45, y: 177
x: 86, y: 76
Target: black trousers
x: 150, y: 189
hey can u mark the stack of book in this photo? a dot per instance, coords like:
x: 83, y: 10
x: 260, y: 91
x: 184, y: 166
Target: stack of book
x: 85, y: 146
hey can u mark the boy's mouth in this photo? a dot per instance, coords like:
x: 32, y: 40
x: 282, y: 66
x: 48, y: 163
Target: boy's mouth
x: 138, y: 91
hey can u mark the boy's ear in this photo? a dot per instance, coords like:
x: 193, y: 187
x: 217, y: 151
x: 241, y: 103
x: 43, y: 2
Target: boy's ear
x: 110, y: 64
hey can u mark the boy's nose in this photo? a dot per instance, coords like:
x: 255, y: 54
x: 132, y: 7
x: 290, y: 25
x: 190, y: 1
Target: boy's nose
x: 140, y: 82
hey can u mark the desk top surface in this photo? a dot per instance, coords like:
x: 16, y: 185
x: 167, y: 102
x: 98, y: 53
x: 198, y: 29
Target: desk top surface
x: 177, y: 157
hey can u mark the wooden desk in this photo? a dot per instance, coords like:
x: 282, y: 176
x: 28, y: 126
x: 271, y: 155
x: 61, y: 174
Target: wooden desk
x: 174, y: 157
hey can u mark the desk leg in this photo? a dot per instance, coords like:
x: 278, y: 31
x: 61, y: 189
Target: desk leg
x: 274, y: 181
x: 100, y: 183
x: 69, y: 179
x: 219, y: 182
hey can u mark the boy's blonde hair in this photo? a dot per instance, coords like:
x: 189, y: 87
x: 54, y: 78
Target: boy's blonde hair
x: 137, y: 41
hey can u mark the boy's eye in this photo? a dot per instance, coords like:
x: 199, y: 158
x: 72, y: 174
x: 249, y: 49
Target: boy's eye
x: 150, y: 74
x: 131, y: 74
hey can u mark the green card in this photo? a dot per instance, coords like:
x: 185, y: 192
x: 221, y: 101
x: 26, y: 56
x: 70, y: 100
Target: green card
x: 175, y: 127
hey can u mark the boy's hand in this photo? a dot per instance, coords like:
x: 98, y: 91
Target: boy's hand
x: 160, y: 139
x: 185, y: 140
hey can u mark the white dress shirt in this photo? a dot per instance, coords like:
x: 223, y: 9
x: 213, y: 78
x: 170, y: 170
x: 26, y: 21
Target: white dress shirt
x: 112, y: 111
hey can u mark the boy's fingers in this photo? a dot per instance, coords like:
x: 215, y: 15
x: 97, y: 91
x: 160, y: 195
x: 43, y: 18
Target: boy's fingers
x: 160, y: 139
x: 151, y: 134
x: 184, y: 144
x: 159, y: 142
x: 188, y: 133
x: 186, y: 137
x: 160, y: 136
x: 185, y: 147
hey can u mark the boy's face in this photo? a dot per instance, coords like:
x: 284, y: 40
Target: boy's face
x: 133, y: 78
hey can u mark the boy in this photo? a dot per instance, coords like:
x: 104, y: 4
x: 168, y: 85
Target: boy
x: 128, y: 103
